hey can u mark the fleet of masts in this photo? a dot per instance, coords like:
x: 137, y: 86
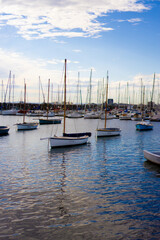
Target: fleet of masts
x: 126, y: 94
x: 102, y: 110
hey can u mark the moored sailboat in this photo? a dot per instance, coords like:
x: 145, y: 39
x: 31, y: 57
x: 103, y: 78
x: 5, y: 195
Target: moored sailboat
x: 144, y: 125
x: 65, y: 140
x: 26, y: 125
x: 107, y: 132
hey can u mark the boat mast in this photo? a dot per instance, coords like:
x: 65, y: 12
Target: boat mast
x: 143, y: 103
x: 13, y: 89
x: 90, y: 89
x: 24, y: 103
x: 2, y: 92
x: 152, y: 91
x: 64, y: 122
x: 48, y: 97
x: 106, y: 102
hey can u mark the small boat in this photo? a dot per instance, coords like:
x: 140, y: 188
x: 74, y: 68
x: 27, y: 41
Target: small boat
x: 136, y: 117
x: 4, y: 130
x: 65, y: 141
x: 91, y: 115
x: 21, y: 112
x: 144, y: 125
x: 107, y: 132
x: 49, y: 114
x: 74, y: 115
x: 49, y: 121
x: 26, y: 125
x: 152, y: 156
x: 12, y: 111
x: 155, y: 118
x: 109, y: 117
x: 125, y: 116
x: 34, y: 113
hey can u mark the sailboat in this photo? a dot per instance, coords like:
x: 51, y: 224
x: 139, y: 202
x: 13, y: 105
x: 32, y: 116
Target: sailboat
x: 66, y: 140
x: 107, y: 132
x: 47, y: 120
x: 25, y: 125
x: 144, y: 125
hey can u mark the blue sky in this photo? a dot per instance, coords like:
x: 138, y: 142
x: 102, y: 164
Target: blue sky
x: 122, y: 37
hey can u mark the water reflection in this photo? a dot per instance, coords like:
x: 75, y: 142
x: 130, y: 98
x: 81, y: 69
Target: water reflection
x: 154, y: 168
x: 103, y: 190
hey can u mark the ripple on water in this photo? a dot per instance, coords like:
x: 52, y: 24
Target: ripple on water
x: 102, y: 190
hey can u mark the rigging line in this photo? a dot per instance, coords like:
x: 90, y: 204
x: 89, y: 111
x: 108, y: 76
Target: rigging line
x: 75, y: 125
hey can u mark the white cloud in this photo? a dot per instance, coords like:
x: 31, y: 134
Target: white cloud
x: 67, y: 18
x: 30, y: 70
x: 132, y: 20
x: 77, y: 50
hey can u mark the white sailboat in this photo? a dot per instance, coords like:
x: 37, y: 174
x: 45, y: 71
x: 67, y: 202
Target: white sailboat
x: 144, y: 125
x: 65, y: 141
x: 26, y: 125
x: 107, y: 132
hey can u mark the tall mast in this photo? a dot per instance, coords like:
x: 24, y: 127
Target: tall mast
x: 78, y: 90
x: 152, y: 91
x: 106, y: 101
x: 143, y: 103
x: 64, y: 124
x: 2, y: 92
x: 39, y: 90
x: 58, y: 95
x: 24, y: 103
x: 90, y: 88
x: 13, y: 88
x: 48, y: 97
x: 119, y: 94
x: 7, y: 87
x: 10, y: 90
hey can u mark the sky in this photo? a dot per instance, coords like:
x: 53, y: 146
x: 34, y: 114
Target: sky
x: 118, y: 36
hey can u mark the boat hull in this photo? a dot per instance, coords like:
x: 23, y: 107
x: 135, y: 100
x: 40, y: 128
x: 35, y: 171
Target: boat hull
x: 27, y: 126
x: 4, y: 130
x: 77, y: 134
x: 49, y: 121
x: 153, y: 157
x: 143, y: 126
x: 108, y: 132
x: 67, y: 141
x: 10, y: 112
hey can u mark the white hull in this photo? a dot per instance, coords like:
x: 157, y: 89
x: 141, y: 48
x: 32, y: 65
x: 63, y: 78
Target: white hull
x: 27, y: 126
x: 124, y: 118
x: 50, y: 114
x: 91, y: 115
x: 67, y: 141
x: 74, y: 115
x: 108, y: 117
x: 153, y: 157
x: 108, y: 132
x: 9, y: 112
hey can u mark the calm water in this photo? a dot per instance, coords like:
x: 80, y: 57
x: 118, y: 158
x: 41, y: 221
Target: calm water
x: 102, y: 190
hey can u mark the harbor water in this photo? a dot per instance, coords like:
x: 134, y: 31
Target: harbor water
x: 102, y: 190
